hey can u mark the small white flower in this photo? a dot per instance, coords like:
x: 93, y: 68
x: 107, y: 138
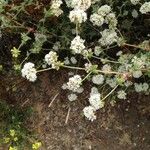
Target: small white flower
x: 97, y: 50
x: 145, y: 87
x: 97, y: 20
x: 66, y: 61
x: 111, y: 82
x: 121, y: 94
x: 74, y: 83
x: 108, y: 37
x: 111, y: 20
x: 72, y: 97
x: 145, y: 8
x: 64, y: 86
x: 73, y: 60
x: 106, y: 68
x: 138, y: 87
x: 29, y: 72
x: 57, y: 12
x: 89, y: 113
x: 56, y: 46
x: 51, y: 57
x: 88, y: 67
x: 98, y: 79
x: 119, y: 53
x: 104, y: 10
x: 81, y: 4
x: 77, y: 45
x: 87, y: 52
x: 94, y: 90
x: 137, y: 74
x: 138, y: 62
x: 55, y: 7
x: 70, y: 73
x: 80, y: 90
x: 56, y: 4
x: 141, y: 87
x: 95, y: 101
x: 128, y: 83
x: 77, y: 16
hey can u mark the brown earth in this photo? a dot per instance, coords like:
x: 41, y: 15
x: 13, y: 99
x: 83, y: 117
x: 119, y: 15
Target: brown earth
x: 124, y: 126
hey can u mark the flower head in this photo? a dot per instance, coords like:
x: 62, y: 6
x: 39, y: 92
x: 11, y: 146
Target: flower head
x: 77, y: 16
x: 89, y: 112
x: 74, y: 83
x: 121, y: 94
x: 97, y: 20
x: 29, y: 72
x: 77, y: 45
x: 104, y: 10
x: 145, y: 8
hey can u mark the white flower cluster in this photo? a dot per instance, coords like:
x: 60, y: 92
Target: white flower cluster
x: 52, y: 59
x: 141, y: 87
x: 55, y: 7
x: 135, y: 2
x: 68, y: 61
x: 89, y: 113
x: 97, y: 50
x: 56, y: 46
x: 72, y: 97
x: 121, y: 94
x: 80, y: 4
x: 29, y: 72
x: 74, y: 83
x: 87, y: 53
x: 95, y: 104
x: 95, y: 100
x: 111, y: 20
x: 98, y: 79
x: 111, y: 82
x: 97, y: 19
x: 108, y: 37
x: 77, y: 16
x: 106, y: 68
x: 77, y: 45
x: 104, y: 10
x: 138, y: 63
x: 145, y: 8
x: 88, y: 67
x: 137, y: 73
x: 104, y: 15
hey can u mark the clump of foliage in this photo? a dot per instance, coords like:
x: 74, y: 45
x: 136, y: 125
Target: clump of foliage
x: 110, y: 38
x: 13, y: 132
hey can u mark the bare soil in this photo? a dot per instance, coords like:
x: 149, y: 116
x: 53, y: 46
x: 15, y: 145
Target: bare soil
x: 124, y: 126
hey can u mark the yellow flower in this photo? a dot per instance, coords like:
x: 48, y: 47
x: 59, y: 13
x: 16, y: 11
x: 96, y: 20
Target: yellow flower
x: 6, y: 140
x: 15, y: 52
x: 15, y: 139
x: 12, y: 133
x: 12, y: 148
x: 36, y: 145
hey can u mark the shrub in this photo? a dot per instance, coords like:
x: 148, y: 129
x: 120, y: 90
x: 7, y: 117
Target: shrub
x: 110, y: 37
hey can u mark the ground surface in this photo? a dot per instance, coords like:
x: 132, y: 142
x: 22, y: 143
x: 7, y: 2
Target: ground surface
x: 124, y: 126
